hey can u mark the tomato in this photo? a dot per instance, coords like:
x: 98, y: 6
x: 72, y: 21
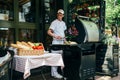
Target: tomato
x: 33, y: 47
x: 39, y: 47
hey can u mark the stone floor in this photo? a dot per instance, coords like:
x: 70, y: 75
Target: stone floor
x: 48, y: 77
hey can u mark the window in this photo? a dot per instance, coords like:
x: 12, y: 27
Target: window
x: 27, y: 10
x: 6, y: 10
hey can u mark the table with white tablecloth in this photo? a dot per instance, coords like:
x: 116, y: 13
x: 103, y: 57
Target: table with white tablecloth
x: 25, y: 63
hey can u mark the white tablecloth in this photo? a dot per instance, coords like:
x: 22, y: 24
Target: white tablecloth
x: 25, y: 63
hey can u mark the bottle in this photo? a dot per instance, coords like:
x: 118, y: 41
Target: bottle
x: 5, y: 43
x: 1, y: 42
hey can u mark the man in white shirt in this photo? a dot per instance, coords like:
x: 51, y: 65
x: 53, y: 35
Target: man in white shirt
x: 56, y: 30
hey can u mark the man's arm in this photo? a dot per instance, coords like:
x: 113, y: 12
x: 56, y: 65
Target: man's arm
x: 51, y: 33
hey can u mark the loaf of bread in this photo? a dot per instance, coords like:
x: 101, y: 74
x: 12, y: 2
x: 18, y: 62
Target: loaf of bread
x: 73, y: 42
x: 18, y: 42
x: 24, y: 47
x: 31, y: 44
x: 15, y: 46
x: 26, y: 44
x: 70, y: 42
x: 21, y: 45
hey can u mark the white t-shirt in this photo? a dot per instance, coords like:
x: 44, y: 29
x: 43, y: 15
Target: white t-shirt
x: 58, y: 27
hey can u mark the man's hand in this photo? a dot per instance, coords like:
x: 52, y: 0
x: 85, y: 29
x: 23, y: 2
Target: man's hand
x: 58, y: 37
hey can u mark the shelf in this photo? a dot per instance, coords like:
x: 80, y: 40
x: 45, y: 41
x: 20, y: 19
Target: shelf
x: 6, y: 10
x: 88, y: 10
x: 21, y: 2
x: 14, y: 23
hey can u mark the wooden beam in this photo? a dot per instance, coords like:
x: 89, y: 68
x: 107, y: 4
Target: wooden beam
x: 21, y: 2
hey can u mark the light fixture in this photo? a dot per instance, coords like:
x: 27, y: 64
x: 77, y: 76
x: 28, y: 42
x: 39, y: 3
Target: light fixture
x: 70, y: 1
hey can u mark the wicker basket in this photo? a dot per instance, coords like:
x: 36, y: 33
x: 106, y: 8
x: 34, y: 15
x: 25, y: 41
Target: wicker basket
x: 22, y: 52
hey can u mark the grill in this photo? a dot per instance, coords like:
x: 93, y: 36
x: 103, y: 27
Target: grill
x: 88, y: 31
x: 79, y: 59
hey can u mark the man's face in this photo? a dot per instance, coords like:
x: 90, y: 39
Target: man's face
x: 60, y: 16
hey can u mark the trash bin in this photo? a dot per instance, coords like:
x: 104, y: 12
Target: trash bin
x: 107, y: 59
